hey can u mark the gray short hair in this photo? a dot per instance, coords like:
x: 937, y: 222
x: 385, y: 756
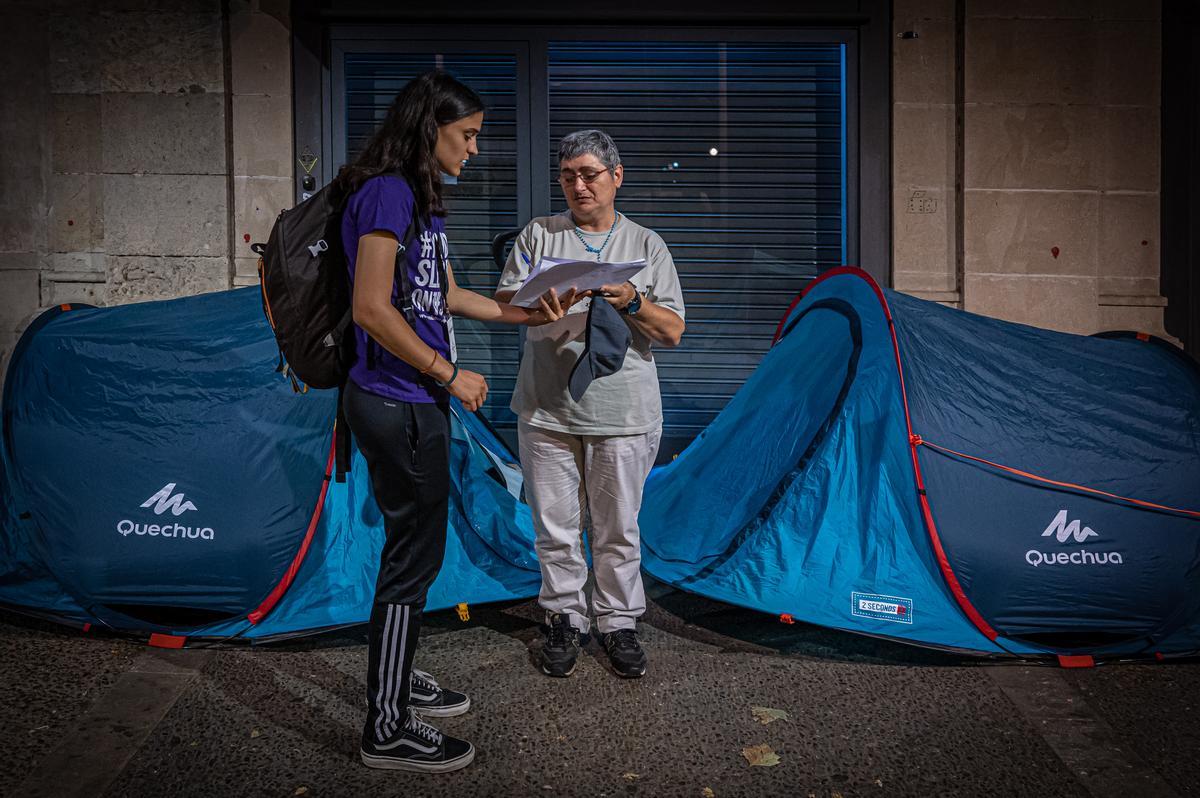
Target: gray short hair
x: 589, y: 142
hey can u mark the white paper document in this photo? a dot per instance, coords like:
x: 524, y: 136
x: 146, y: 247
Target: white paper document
x: 563, y: 275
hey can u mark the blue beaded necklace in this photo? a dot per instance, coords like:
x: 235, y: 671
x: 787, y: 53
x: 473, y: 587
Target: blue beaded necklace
x: 592, y: 249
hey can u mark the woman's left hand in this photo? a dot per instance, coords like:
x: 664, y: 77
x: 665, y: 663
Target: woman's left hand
x: 552, y: 307
x: 619, y: 296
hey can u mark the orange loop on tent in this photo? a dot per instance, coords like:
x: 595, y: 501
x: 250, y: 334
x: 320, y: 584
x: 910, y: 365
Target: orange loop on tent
x: 166, y: 641
x: 1076, y: 661
x: 785, y: 618
x: 916, y: 440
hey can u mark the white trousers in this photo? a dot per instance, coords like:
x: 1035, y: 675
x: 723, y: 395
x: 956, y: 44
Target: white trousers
x: 603, y: 475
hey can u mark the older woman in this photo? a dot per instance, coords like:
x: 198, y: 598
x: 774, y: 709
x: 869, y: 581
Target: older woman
x: 594, y: 454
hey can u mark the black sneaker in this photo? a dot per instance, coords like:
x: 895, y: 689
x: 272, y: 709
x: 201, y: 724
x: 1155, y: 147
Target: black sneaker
x: 561, y: 647
x: 625, y: 653
x: 419, y: 747
x: 426, y: 697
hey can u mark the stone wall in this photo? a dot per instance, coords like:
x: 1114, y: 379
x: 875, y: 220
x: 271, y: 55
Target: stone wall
x: 144, y: 140
x: 1026, y: 172
x: 147, y: 141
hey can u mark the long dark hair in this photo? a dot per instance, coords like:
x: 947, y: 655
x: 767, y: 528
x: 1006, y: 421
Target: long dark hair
x: 406, y: 139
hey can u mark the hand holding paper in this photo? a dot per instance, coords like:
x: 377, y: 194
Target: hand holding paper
x: 563, y: 275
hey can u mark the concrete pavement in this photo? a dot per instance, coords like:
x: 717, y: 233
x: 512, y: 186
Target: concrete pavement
x: 105, y: 716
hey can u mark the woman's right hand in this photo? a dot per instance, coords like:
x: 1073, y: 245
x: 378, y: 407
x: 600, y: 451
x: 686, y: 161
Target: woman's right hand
x: 470, y: 388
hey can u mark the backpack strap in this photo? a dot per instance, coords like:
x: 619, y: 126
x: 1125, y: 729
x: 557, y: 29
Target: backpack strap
x: 341, y: 434
x: 404, y: 296
x: 403, y: 299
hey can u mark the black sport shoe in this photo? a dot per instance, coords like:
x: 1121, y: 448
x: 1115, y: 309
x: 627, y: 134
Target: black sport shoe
x: 561, y: 647
x: 625, y: 653
x: 431, y: 700
x: 418, y: 747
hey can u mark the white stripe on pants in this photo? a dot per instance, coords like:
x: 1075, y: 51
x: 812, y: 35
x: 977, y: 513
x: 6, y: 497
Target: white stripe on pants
x: 604, y: 474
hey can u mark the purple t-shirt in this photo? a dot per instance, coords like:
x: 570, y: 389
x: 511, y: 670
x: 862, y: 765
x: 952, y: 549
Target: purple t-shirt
x: 386, y: 203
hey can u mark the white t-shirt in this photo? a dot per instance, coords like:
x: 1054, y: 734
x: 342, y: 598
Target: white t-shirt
x: 625, y: 403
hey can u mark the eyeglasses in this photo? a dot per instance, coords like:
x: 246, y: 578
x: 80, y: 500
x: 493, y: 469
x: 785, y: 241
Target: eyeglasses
x: 588, y: 176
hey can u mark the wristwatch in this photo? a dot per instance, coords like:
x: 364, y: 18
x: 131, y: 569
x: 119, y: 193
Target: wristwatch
x: 635, y: 304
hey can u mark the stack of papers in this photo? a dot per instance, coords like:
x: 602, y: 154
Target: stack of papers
x: 563, y: 275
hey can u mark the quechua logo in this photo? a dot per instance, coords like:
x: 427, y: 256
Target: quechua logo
x: 162, y: 501
x: 1066, y: 532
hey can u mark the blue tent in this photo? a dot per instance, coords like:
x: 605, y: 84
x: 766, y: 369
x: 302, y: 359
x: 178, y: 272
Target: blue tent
x: 893, y: 468
x: 160, y: 476
x: 897, y: 468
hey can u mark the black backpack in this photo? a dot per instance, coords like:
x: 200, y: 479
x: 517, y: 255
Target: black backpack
x: 302, y: 270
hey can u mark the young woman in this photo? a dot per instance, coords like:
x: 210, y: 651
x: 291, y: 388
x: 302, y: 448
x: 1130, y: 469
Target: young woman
x: 396, y: 400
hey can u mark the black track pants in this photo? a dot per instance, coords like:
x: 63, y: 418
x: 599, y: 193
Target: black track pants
x: 407, y: 449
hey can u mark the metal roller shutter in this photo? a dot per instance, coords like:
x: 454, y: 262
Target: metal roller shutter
x: 734, y: 153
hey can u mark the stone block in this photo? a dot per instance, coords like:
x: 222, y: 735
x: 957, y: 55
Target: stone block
x: 1037, y: 233
x: 22, y: 211
x: 246, y: 269
x: 24, y: 119
x: 905, y: 12
x: 262, y: 136
x: 1129, y: 9
x: 1130, y: 63
x: 55, y: 292
x: 1031, y: 61
x: 927, y: 285
x: 75, y: 133
x: 1030, y: 9
x: 923, y: 145
x: 924, y: 242
x: 1043, y: 147
x: 21, y: 298
x: 139, y: 279
x: 1134, y: 318
x: 164, y: 133
x: 1129, y: 235
x: 923, y: 68
x: 166, y: 215
x: 1130, y: 290
x: 1130, y: 150
x: 75, y: 51
x: 75, y: 221
x: 260, y: 55
x: 1067, y: 304
x: 257, y: 203
x: 162, y: 52
x: 74, y: 266
x: 19, y: 260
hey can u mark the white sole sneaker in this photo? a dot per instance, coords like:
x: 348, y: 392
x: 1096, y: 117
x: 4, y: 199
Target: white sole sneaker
x: 443, y: 712
x: 396, y: 763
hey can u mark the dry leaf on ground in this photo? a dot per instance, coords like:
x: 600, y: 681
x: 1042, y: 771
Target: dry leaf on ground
x: 708, y: 793
x: 632, y: 776
x: 301, y: 791
x: 255, y: 733
x: 761, y: 755
x: 765, y: 715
